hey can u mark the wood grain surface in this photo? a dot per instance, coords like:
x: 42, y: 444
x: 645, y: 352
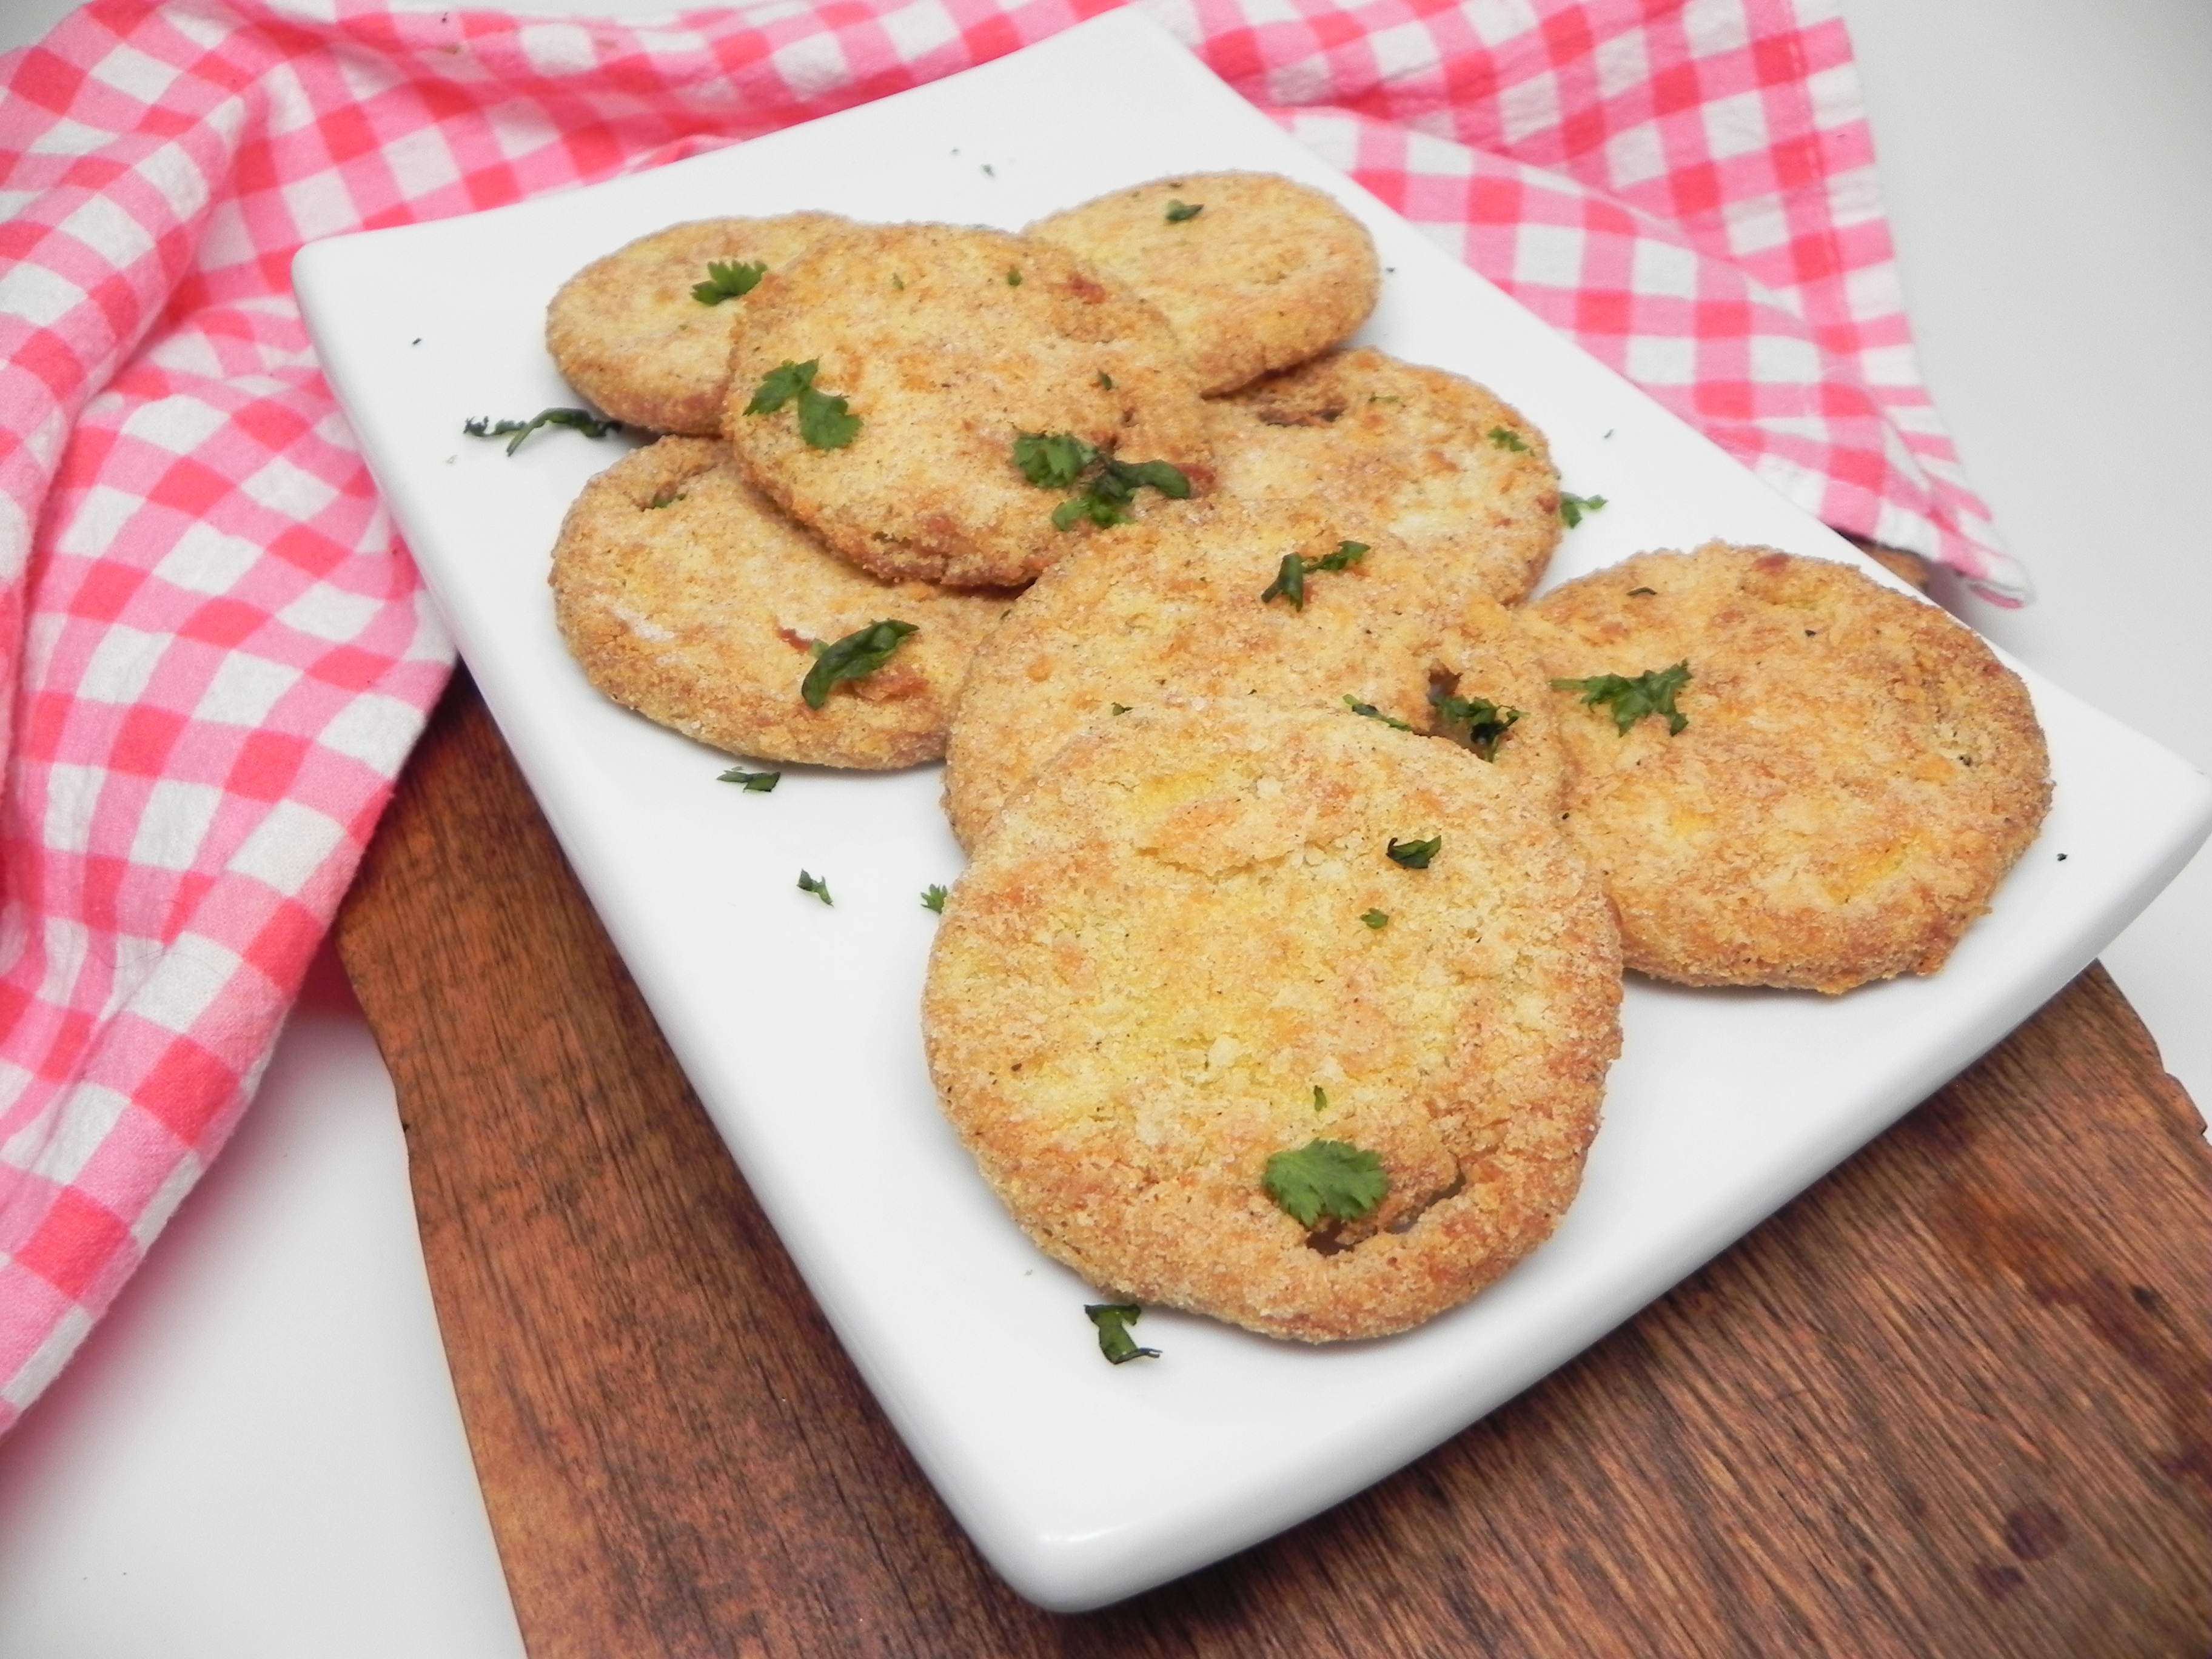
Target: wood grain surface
x: 1957, y: 1399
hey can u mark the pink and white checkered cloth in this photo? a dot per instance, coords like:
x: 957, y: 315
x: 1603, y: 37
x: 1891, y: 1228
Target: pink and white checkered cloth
x: 222, y: 655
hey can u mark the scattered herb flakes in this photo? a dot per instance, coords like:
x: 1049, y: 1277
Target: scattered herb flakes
x: 1375, y: 713
x: 1506, y: 438
x: 576, y: 420
x: 1485, y: 722
x: 1112, y: 1320
x: 1291, y: 575
x: 1650, y: 693
x: 825, y: 422
x: 1575, y: 508
x: 1414, y: 855
x: 1182, y: 213
x: 666, y: 498
x: 1013, y: 278
x: 856, y: 656
x: 898, y: 282
x: 815, y: 885
x: 933, y: 898
x: 1105, y: 381
x: 1321, y: 1098
x: 755, y: 783
x: 1378, y: 920
x: 1118, y: 708
x: 727, y: 279
x: 1326, y: 1178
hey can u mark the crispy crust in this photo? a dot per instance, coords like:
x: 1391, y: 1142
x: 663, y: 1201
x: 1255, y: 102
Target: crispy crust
x: 1409, y: 449
x: 1169, y: 611
x: 1269, y: 273
x: 1158, y: 954
x: 946, y: 363
x: 700, y: 614
x: 1857, y: 774
x: 626, y: 332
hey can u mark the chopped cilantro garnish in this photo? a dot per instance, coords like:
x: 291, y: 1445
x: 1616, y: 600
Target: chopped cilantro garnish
x: 1650, y: 693
x: 1377, y: 919
x: 1374, y: 713
x: 856, y: 656
x: 1059, y: 461
x: 1414, y: 855
x: 1105, y: 381
x: 1575, y: 508
x: 1321, y: 1098
x: 1486, y: 723
x: 756, y: 783
x: 1180, y: 213
x: 1506, y: 438
x: 576, y: 420
x: 1112, y: 1320
x: 727, y: 280
x: 898, y: 281
x: 932, y: 898
x: 1326, y: 1178
x: 1013, y: 278
x: 1053, y: 460
x: 1118, y: 708
x: 823, y: 421
x: 815, y: 885
x: 1291, y: 575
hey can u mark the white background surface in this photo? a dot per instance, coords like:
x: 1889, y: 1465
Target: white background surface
x: 258, y: 1453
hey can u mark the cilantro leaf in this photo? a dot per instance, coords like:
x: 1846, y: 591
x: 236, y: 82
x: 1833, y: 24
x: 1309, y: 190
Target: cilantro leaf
x: 781, y: 385
x: 1180, y: 213
x: 1326, y: 1178
x: 1650, y: 693
x: 1321, y: 1098
x: 1506, y: 438
x: 1413, y: 855
x: 1053, y: 460
x: 1105, y: 381
x: 1486, y: 723
x: 1059, y: 461
x: 1118, y: 708
x: 815, y: 885
x: 576, y: 420
x: 1575, y: 508
x: 1013, y: 278
x: 1377, y: 919
x: 933, y: 898
x: 856, y: 656
x: 1112, y: 1320
x: 825, y: 422
x: 1291, y: 575
x: 756, y: 783
x: 727, y: 279
x: 1374, y: 713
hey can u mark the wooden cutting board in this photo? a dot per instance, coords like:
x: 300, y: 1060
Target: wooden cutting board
x: 1957, y: 1399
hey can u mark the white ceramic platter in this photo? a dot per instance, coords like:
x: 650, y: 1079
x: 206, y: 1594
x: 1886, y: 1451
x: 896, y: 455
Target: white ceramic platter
x: 797, y: 1023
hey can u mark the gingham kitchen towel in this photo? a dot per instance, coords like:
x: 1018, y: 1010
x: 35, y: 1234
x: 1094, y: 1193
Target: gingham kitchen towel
x: 221, y: 654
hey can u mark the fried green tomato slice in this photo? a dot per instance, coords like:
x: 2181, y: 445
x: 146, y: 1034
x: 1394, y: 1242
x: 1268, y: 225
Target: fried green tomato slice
x: 1853, y: 775
x: 1160, y: 984
x: 935, y: 349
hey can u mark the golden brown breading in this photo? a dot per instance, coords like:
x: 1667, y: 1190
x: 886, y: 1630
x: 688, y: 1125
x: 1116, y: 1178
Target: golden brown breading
x: 627, y: 333
x: 1164, y: 949
x: 685, y: 595
x: 1857, y: 773
x: 948, y: 343
x: 1431, y: 457
x: 1266, y: 274
x: 1170, y: 611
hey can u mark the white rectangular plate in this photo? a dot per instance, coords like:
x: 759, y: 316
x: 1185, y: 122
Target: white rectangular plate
x: 799, y: 1024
